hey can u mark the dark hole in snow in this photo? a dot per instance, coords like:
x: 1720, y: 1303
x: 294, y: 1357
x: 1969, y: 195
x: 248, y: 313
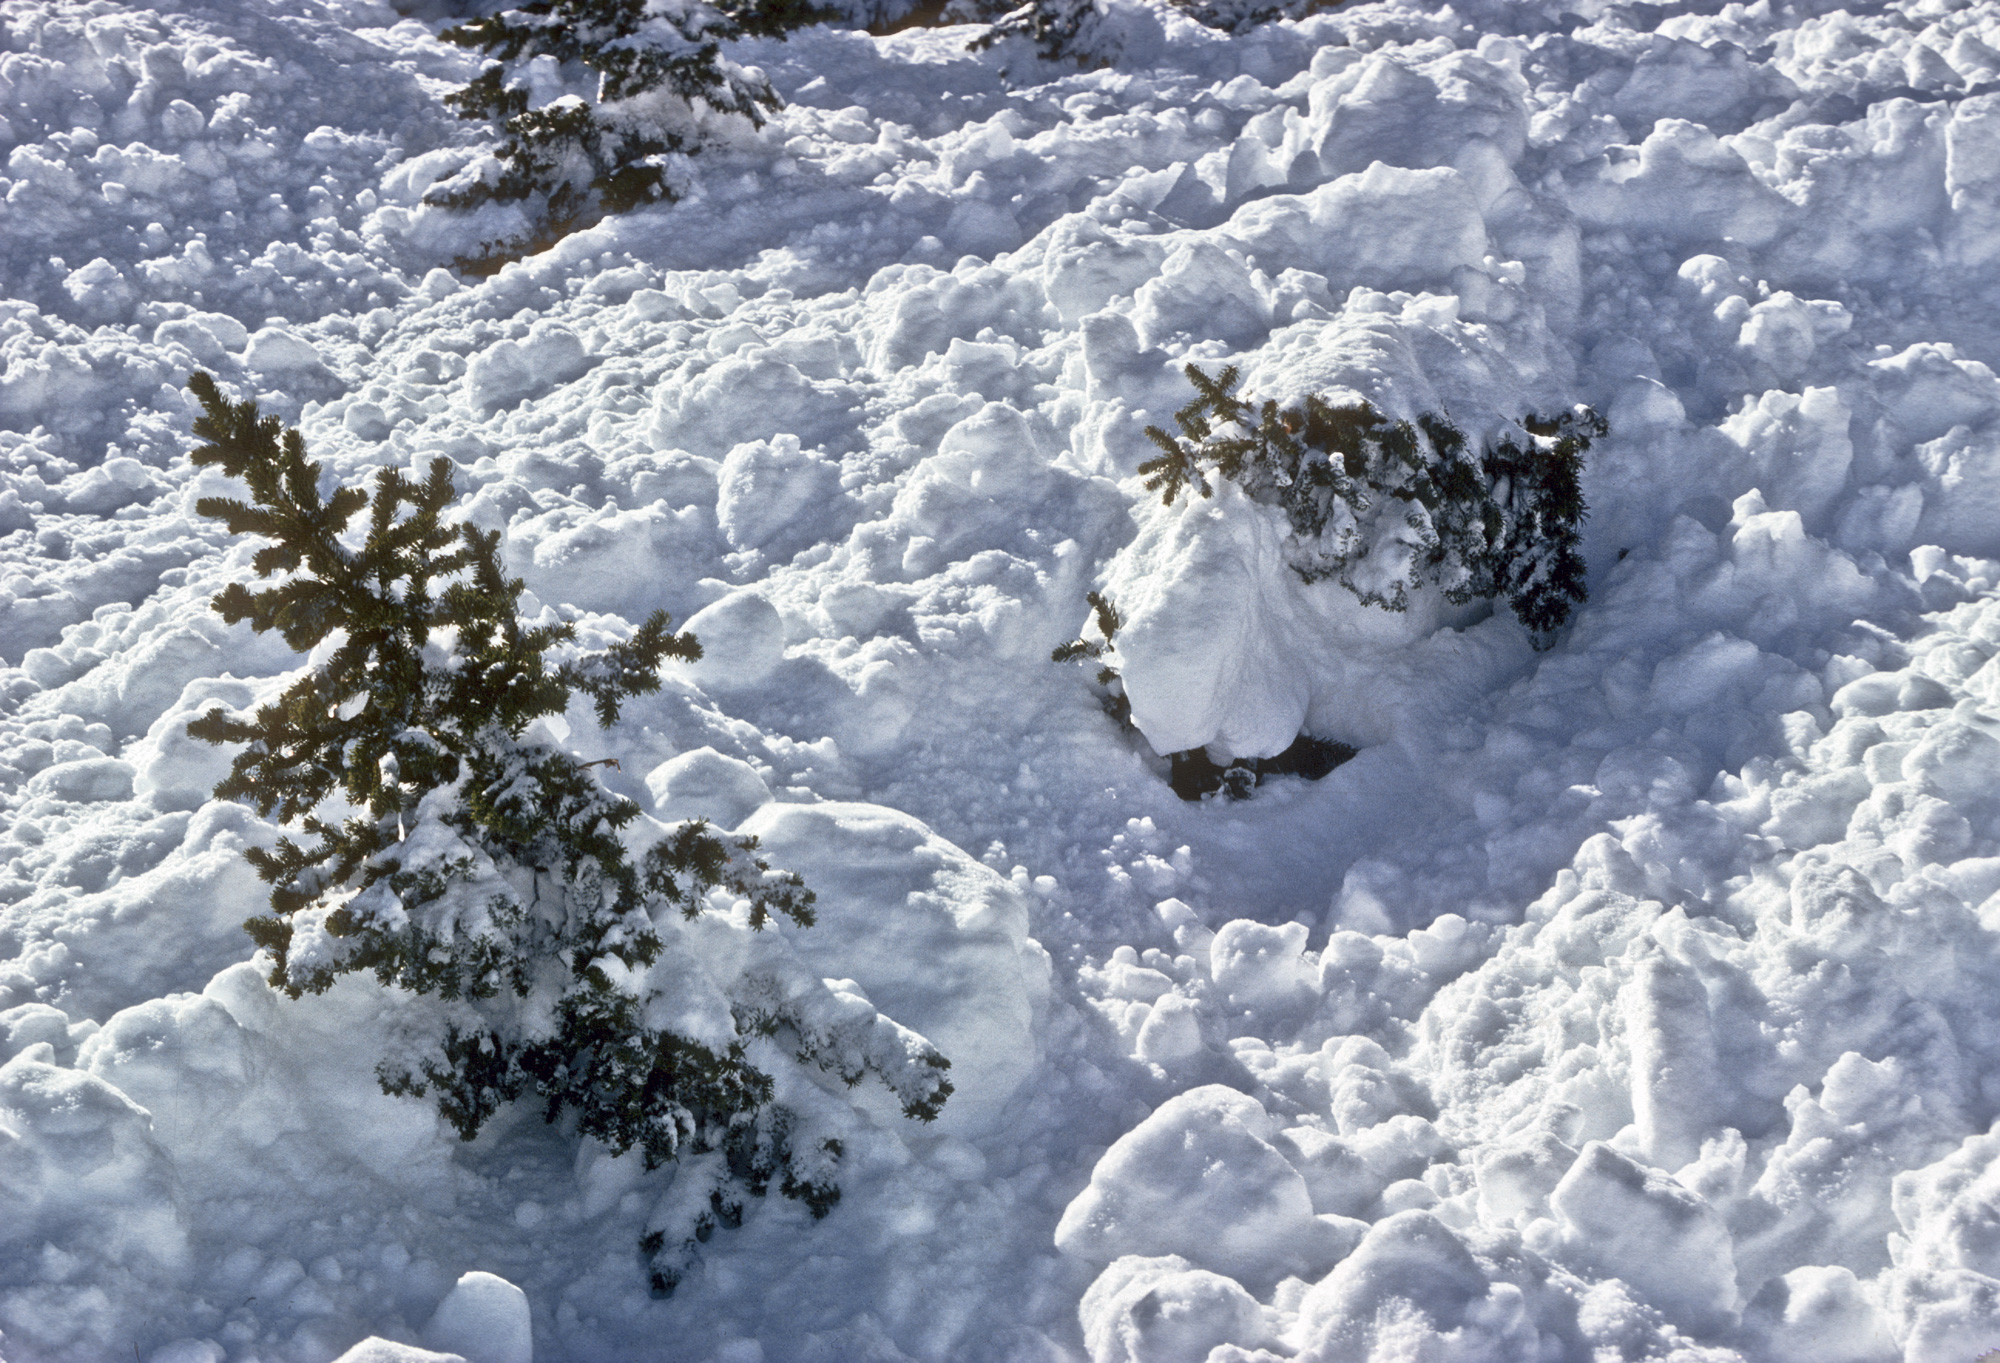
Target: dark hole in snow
x: 1196, y: 775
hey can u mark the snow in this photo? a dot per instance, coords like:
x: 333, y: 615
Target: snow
x: 1628, y: 999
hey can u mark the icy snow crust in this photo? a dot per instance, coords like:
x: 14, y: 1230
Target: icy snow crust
x: 1632, y: 1000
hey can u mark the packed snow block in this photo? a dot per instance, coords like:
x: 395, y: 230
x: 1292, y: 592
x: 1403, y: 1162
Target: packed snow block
x: 1683, y: 184
x: 765, y: 487
x: 1972, y: 178
x: 629, y: 561
x: 1888, y: 693
x: 1162, y: 1309
x: 1623, y: 1220
x: 101, y: 291
x: 1782, y: 332
x: 34, y: 1024
x: 1819, y: 1314
x: 1171, y: 1031
x: 1517, y: 1174
x: 140, y: 681
x: 938, y: 941
x: 706, y: 784
x: 1961, y: 507
x: 1086, y: 266
x: 1387, y: 228
x: 1342, y: 1183
x: 1949, y: 1209
x: 1676, y: 77
x: 754, y: 394
x: 279, y: 354
x: 1408, y: 1264
x: 185, y: 1057
x: 1800, y: 449
x: 1199, y: 1178
x: 484, y: 1319
x: 86, y: 780
x: 1676, y: 1074
x: 1809, y: 811
x: 1929, y: 388
x: 79, y: 1165
x: 1263, y: 969
x: 1387, y: 108
x: 175, y: 771
x: 509, y: 371
x: 970, y: 494
x: 1202, y: 291
x: 1959, y: 761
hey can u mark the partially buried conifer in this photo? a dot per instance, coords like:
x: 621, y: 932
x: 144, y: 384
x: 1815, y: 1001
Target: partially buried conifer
x: 453, y: 855
x: 592, y: 100
x: 1384, y: 507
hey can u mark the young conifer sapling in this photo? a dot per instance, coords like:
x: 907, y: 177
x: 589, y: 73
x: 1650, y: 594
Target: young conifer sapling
x: 434, y: 841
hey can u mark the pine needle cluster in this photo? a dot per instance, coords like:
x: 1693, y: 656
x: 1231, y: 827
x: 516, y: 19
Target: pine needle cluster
x: 437, y: 845
x: 1384, y: 506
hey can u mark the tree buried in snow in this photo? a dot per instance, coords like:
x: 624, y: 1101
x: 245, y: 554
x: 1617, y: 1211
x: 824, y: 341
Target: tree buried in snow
x: 593, y: 98
x: 1096, y: 33
x: 473, y: 863
x: 1384, y: 507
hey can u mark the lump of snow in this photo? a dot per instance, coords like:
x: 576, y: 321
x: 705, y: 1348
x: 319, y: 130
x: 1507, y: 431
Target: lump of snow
x: 376, y: 1349
x: 275, y: 350
x: 178, y: 771
x: 1387, y: 227
x: 938, y: 941
x: 742, y: 642
x: 100, y: 289
x: 85, y: 781
x: 1407, y: 1263
x: 1199, y: 1178
x: 1819, y: 1314
x: 189, y: 1351
x: 1263, y: 968
x: 1203, y: 291
x: 510, y: 371
x: 1165, y: 1310
x: 1171, y: 1031
x: 1624, y: 1220
x: 705, y: 784
x: 765, y: 486
x: 1683, y: 183
x: 367, y: 420
x: 485, y: 1319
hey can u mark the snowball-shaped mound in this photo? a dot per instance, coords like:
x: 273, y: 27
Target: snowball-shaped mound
x: 1165, y: 1310
x: 742, y: 642
x: 705, y: 784
x: 939, y: 942
x: 1200, y: 1179
x: 485, y: 1319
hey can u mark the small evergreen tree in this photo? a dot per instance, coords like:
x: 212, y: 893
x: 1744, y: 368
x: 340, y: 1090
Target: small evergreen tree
x: 1102, y: 651
x: 1384, y: 506
x: 1091, y: 33
x: 451, y: 855
x: 654, y: 72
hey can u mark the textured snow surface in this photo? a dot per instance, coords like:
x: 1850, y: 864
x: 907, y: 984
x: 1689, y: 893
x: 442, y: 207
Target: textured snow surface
x: 1636, y: 999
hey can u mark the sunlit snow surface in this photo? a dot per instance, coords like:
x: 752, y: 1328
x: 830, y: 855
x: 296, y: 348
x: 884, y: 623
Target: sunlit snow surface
x: 1634, y: 999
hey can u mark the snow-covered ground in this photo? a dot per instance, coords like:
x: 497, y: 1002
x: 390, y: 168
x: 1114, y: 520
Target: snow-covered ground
x: 1635, y: 999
